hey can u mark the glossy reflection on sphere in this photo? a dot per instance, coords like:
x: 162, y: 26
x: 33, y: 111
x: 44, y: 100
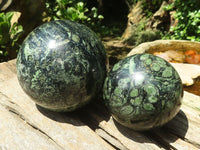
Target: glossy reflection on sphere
x: 143, y: 91
x: 61, y: 65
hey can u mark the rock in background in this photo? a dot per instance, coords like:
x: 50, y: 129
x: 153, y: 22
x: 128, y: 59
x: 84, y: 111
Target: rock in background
x: 142, y: 28
x: 161, y: 19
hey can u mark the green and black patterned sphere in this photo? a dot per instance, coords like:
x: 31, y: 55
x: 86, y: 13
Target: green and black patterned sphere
x: 143, y: 91
x: 61, y: 65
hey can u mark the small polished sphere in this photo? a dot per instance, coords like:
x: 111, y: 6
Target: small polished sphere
x: 143, y: 91
x: 62, y: 65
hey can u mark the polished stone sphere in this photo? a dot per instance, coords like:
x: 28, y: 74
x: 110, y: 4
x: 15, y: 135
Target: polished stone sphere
x: 143, y: 91
x: 62, y: 65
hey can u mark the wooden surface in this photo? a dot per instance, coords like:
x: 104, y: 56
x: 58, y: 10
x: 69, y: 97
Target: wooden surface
x: 26, y: 126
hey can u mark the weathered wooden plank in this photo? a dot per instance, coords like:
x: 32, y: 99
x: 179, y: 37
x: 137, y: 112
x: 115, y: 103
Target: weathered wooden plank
x: 186, y: 124
x: 29, y: 126
x: 179, y: 132
x: 192, y: 101
x: 174, y: 141
x: 99, y: 118
x: 111, y: 139
x: 17, y: 134
x: 184, y: 129
x: 7, y: 70
x: 128, y: 137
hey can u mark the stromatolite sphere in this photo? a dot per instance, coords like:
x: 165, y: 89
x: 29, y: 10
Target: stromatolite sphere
x: 61, y: 65
x: 143, y: 91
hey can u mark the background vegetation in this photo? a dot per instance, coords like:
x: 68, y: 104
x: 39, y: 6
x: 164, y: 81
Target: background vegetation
x: 188, y: 16
x: 75, y: 10
x: 9, y: 35
x: 106, y: 18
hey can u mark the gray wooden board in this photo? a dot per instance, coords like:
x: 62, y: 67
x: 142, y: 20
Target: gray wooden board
x: 24, y: 125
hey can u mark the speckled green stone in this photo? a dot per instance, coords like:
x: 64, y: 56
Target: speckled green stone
x: 143, y: 91
x: 61, y: 65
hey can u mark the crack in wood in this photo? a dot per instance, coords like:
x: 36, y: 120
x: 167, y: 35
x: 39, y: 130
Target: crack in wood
x: 9, y: 105
x: 10, y: 109
x: 111, y: 139
x: 158, y: 139
x: 197, y: 145
x: 118, y: 147
x: 91, y: 122
x: 93, y: 116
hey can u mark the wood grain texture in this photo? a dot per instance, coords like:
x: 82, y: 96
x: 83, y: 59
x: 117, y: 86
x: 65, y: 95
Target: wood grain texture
x: 26, y: 126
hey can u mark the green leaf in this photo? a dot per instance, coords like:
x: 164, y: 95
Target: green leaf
x: 2, y: 17
x: 74, y: 10
x: 82, y: 16
x: 100, y: 17
x: 4, y: 32
x: 16, y: 31
x: 9, y: 16
x: 80, y: 6
x: 71, y: 10
x: 6, y: 53
x: 59, y: 13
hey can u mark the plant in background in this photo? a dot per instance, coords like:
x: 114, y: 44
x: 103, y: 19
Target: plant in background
x: 141, y: 35
x: 75, y: 10
x: 9, y: 36
x: 81, y: 11
x: 188, y: 16
x: 149, y: 6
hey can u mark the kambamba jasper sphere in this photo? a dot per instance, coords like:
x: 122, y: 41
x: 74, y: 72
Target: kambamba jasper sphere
x: 143, y: 91
x: 61, y: 65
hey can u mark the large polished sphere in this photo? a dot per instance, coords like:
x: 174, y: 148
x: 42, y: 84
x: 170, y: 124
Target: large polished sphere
x: 62, y: 65
x: 143, y: 91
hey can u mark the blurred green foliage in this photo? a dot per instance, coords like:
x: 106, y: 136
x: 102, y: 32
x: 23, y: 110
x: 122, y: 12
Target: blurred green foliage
x: 9, y: 36
x: 78, y: 11
x: 141, y: 35
x: 188, y: 16
x: 149, y: 6
x: 75, y: 10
